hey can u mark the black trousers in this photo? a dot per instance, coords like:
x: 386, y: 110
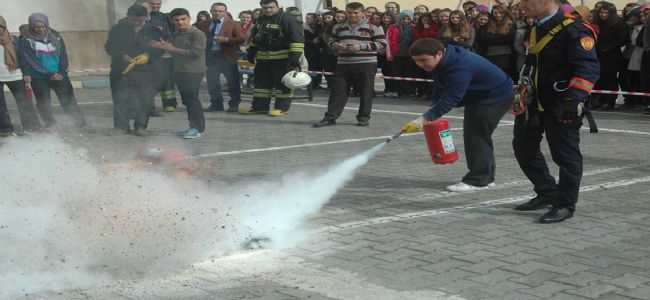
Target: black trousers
x: 479, y: 123
x: 188, y: 86
x: 64, y: 92
x: 644, y: 77
x: 315, y: 64
x: 132, y: 96
x: 28, y: 115
x: 405, y: 68
x: 362, y: 76
x: 564, y: 143
x: 388, y: 68
x: 217, y: 65
x: 268, y: 82
x: 329, y: 65
x: 608, y: 81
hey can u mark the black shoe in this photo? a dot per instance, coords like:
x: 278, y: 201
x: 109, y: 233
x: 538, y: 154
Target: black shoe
x: 233, y: 109
x: 155, y: 113
x: 325, y: 122
x: 556, y: 215
x: 212, y: 108
x: 363, y: 124
x: 536, y: 203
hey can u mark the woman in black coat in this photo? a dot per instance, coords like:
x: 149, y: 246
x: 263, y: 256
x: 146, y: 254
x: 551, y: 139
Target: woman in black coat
x: 614, y: 34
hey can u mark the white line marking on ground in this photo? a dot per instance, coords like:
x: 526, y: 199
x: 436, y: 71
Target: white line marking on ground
x: 621, y: 131
x: 430, y: 213
x: 443, y: 194
x: 395, y: 112
x: 304, y: 145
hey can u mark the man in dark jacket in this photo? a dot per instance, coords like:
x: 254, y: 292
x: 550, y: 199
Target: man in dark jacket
x: 131, y: 69
x: 462, y: 78
x: 562, y: 53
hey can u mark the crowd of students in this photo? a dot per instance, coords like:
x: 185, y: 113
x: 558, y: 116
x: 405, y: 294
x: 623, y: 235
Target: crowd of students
x: 38, y: 57
x: 501, y: 35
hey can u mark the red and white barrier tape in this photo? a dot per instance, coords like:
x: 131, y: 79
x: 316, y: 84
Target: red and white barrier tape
x: 107, y: 70
x: 429, y: 80
x: 620, y: 93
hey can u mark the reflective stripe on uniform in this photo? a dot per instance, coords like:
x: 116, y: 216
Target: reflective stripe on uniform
x: 284, y: 96
x: 272, y: 55
x: 265, y: 93
x: 171, y: 94
x: 296, y: 47
x: 581, y: 84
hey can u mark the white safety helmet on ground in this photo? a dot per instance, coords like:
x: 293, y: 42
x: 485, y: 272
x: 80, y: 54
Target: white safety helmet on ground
x: 296, y: 80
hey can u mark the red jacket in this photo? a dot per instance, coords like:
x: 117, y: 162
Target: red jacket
x: 431, y: 32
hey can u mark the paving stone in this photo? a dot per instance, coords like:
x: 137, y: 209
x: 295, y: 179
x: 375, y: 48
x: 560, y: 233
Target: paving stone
x: 639, y: 293
x: 628, y: 280
x: 547, y: 289
x: 582, y: 278
x: 427, y: 239
x: 594, y: 290
x: 484, y: 266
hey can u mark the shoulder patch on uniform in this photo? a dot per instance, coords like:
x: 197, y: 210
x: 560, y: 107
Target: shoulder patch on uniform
x: 587, y: 43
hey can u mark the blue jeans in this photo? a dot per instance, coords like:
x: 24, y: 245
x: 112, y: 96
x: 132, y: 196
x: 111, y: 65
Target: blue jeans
x: 217, y: 65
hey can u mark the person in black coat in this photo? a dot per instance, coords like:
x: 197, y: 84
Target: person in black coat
x: 614, y: 34
x: 132, y: 72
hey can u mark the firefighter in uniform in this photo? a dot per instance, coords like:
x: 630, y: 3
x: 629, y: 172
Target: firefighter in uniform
x: 562, y: 68
x: 277, y: 42
x: 163, y: 67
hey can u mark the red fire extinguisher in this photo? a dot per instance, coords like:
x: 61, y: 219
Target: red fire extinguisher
x: 29, y: 93
x: 440, y: 142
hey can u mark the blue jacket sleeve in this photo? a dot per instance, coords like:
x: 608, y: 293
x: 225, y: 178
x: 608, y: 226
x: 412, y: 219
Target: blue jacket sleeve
x: 582, y: 56
x: 456, y: 84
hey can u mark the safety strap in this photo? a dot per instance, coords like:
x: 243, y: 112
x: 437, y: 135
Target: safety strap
x: 536, y: 47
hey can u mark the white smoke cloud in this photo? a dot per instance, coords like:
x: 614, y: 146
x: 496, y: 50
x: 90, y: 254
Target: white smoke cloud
x: 65, y: 223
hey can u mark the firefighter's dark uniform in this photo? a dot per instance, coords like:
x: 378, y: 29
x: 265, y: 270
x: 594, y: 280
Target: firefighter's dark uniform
x: 164, y: 67
x: 565, y: 70
x: 277, y: 42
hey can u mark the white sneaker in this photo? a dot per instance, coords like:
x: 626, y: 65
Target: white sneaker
x: 464, y: 187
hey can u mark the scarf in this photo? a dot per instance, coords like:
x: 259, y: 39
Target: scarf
x: 50, y: 36
x: 11, y: 60
x: 406, y: 33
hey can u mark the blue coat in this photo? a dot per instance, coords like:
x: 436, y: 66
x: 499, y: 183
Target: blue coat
x: 464, y: 78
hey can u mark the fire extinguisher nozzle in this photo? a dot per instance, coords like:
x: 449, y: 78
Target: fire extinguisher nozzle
x: 388, y: 140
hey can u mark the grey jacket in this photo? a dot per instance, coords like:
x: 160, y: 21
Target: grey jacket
x: 193, y: 59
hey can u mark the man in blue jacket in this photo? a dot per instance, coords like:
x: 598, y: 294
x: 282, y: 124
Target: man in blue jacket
x: 462, y: 78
